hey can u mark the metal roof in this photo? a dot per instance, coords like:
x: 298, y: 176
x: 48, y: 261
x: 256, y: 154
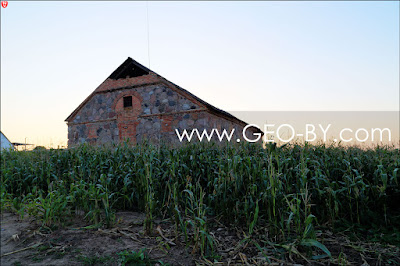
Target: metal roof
x: 5, y: 143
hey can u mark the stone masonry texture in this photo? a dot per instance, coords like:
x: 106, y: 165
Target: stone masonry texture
x: 158, y: 109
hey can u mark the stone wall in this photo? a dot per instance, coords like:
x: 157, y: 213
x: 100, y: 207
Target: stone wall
x: 156, y: 112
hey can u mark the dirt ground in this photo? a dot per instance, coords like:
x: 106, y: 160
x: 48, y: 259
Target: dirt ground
x: 24, y: 242
x: 76, y: 245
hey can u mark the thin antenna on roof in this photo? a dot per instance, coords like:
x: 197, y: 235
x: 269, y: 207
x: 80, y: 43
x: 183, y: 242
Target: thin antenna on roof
x: 148, y: 32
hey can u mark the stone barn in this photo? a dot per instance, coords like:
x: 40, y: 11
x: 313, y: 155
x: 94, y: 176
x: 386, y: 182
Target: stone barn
x: 135, y: 104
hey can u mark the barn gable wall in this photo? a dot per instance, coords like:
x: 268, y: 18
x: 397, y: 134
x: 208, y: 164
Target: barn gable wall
x: 97, y: 120
x: 156, y: 108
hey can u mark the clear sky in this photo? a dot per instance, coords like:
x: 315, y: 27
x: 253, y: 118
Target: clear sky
x: 238, y: 56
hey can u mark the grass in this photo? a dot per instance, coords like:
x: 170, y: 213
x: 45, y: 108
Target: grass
x: 94, y: 260
x: 290, y: 192
x: 140, y: 257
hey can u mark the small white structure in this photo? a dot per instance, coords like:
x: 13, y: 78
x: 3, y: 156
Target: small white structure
x: 5, y: 143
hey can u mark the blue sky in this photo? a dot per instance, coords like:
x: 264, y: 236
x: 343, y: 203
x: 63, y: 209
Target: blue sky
x: 238, y: 56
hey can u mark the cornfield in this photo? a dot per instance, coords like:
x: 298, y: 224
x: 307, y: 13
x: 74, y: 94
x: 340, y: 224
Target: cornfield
x: 278, y: 196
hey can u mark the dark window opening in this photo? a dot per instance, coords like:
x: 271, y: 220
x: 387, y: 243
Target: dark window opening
x: 127, y: 101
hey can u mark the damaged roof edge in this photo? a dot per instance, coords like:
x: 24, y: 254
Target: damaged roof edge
x: 129, y: 68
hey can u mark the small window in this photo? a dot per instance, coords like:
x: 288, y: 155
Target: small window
x: 127, y: 101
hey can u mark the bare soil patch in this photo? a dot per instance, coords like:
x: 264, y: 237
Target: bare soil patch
x: 24, y: 242
x: 77, y: 245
